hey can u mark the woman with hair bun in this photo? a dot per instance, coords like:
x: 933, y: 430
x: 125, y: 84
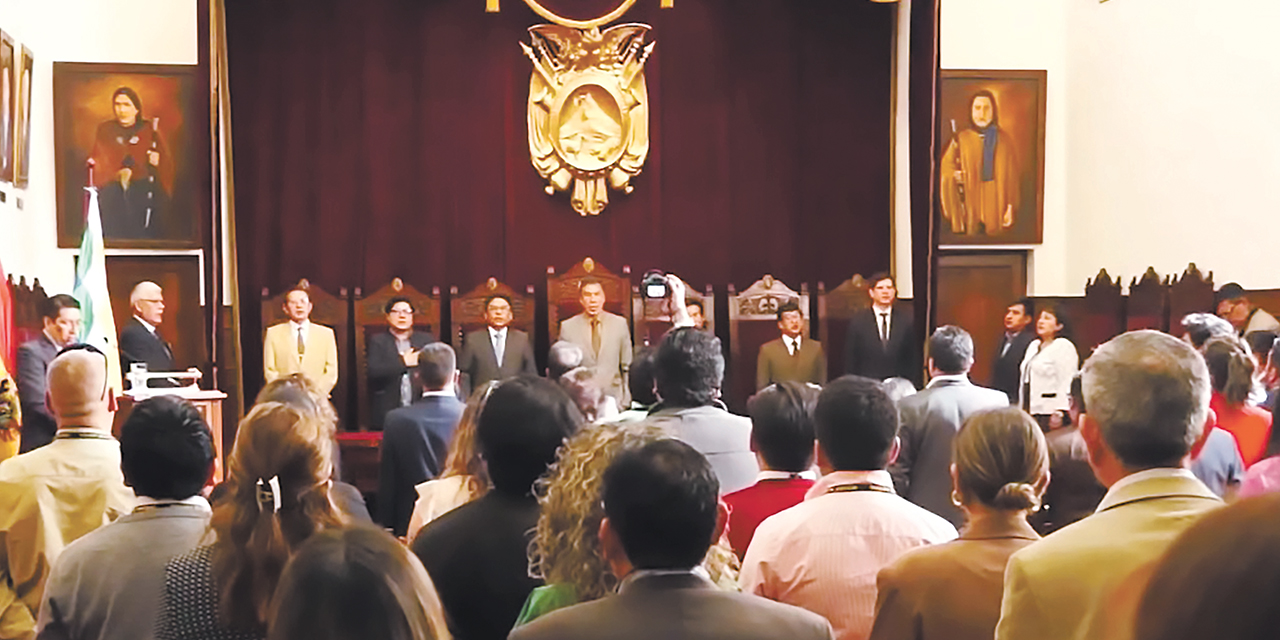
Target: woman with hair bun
x: 999, y: 471
x: 1231, y: 372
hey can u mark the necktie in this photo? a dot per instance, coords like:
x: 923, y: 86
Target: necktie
x: 884, y: 327
x: 791, y: 346
x: 499, y: 346
x: 595, y: 336
x: 302, y: 344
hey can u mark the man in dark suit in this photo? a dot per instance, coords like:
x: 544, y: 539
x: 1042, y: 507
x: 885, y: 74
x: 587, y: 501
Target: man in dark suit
x: 110, y: 583
x: 881, y: 340
x: 792, y: 357
x: 478, y: 554
x: 496, y: 352
x: 61, y: 318
x: 139, y: 341
x: 930, y: 420
x: 415, y: 439
x: 1019, y: 331
x: 392, y: 357
x: 661, y: 516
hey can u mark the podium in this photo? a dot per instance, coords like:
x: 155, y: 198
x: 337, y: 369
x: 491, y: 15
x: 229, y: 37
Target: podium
x: 207, y: 401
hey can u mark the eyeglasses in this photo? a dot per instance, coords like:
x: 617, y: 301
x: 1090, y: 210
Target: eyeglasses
x: 400, y: 312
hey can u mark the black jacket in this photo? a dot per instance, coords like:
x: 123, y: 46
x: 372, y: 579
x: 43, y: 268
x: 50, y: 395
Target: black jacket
x: 865, y: 355
x: 385, y: 368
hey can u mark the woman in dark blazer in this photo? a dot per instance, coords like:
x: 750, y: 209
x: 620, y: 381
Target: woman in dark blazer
x: 953, y: 590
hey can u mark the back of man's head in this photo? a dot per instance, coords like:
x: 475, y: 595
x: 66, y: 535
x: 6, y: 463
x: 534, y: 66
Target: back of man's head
x: 688, y: 368
x: 640, y: 377
x: 562, y: 358
x: 436, y: 364
x: 166, y: 449
x: 1199, y: 327
x: 523, y: 423
x: 1148, y: 393
x: 951, y: 350
x: 856, y: 424
x: 78, y: 393
x: 662, y: 501
x: 782, y: 425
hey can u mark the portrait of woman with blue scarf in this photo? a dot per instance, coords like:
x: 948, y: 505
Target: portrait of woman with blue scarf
x: 979, y: 172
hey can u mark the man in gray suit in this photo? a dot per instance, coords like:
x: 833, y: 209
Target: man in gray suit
x: 688, y: 372
x: 496, y: 352
x: 61, y: 317
x: 661, y: 515
x: 930, y: 420
x: 605, y: 340
x: 108, y: 584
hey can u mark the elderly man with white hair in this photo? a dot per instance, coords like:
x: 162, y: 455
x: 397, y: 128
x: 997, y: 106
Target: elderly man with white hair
x: 1147, y: 397
x: 60, y: 492
x: 139, y: 341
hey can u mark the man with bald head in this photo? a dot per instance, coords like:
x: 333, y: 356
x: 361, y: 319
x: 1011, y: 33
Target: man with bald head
x: 60, y: 492
x: 139, y: 341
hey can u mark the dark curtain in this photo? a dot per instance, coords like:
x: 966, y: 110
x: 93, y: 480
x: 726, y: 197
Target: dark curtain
x: 386, y: 138
x: 923, y: 115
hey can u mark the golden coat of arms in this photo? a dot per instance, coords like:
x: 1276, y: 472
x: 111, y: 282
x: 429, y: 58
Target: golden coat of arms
x: 588, y: 109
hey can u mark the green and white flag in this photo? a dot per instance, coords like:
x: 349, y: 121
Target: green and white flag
x: 98, y: 327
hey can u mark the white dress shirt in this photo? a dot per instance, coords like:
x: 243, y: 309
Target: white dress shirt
x: 884, y: 321
x: 793, y: 344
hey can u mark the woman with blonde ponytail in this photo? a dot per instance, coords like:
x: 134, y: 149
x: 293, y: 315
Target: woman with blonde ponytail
x: 1231, y: 371
x: 277, y: 496
x: 999, y: 471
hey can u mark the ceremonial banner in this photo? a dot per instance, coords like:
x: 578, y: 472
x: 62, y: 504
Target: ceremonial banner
x: 98, y: 326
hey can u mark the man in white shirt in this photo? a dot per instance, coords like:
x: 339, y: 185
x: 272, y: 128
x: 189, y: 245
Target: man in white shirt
x: 301, y: 346
x: 824, y: 553
x: 1147, y: 395
x: 498, y: 351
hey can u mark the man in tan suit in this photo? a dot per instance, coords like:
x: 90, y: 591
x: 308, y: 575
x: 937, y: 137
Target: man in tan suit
x: 1147, y: 397
x: 792, y: 357
x: 605, y: 340
x: 301, y: 346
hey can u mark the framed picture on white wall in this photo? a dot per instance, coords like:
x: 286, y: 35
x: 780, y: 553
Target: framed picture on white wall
x: 8, y: 104
x: 991, y: 163
x: 22, y: 130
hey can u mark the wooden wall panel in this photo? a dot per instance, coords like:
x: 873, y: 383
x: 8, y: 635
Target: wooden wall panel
x: 974, y: 289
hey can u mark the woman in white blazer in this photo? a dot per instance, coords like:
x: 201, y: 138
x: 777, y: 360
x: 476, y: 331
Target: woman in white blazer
x: 1047, y: 368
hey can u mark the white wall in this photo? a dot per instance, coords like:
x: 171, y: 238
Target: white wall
x: 1162, y: 143
x: 75, y: 31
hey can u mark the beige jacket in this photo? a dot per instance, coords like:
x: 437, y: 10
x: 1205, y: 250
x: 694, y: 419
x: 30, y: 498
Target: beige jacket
x: 319, y: 361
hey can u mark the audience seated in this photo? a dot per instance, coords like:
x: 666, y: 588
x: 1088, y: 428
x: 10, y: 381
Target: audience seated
x: 60, y: 492
x: 566, y: 546
x: 793, y: 356
x: 640, y: 383
x: 1231, y: 371
x: 297, y: 391
x: 688, y: 372
x: 477, y: 554
x: 356, y: 583
x: 1197, y: 328
x: 108, y: 584
x: 1073, y: 492
x: 661, y: 515
x: 562, y: 358
x: 464, y: 477
x: 931, y: 418
x: 1147, y: 396
x: 823, y: 554
x: 61, y: 320
x: 277, y: 496
x: 1218, y: 579
x: 782, y: 439
x: 581, y: 385
x: 952, y: 591
x: 1048, y: 366
x: 415, y: 439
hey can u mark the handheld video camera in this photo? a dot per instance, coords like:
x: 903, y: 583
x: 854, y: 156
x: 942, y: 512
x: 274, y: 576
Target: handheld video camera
x: 654, y: 284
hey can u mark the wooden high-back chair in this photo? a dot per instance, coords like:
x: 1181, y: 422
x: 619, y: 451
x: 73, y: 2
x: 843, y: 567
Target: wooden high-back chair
x: 467, y: 310
x: 331, y: 311
x: 562, y: 293
x: 835, y: 309
x: 1190, y: 293
x: 753, y: 321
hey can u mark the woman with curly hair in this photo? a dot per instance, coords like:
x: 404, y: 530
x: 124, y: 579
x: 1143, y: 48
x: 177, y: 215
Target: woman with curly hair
x: 565, y: 551
x: 277, y: 496
x: 463, y: 478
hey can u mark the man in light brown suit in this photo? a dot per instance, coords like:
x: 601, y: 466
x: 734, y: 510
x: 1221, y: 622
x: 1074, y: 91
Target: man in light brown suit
x: 792, y: 357
x: 1148, y: 396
